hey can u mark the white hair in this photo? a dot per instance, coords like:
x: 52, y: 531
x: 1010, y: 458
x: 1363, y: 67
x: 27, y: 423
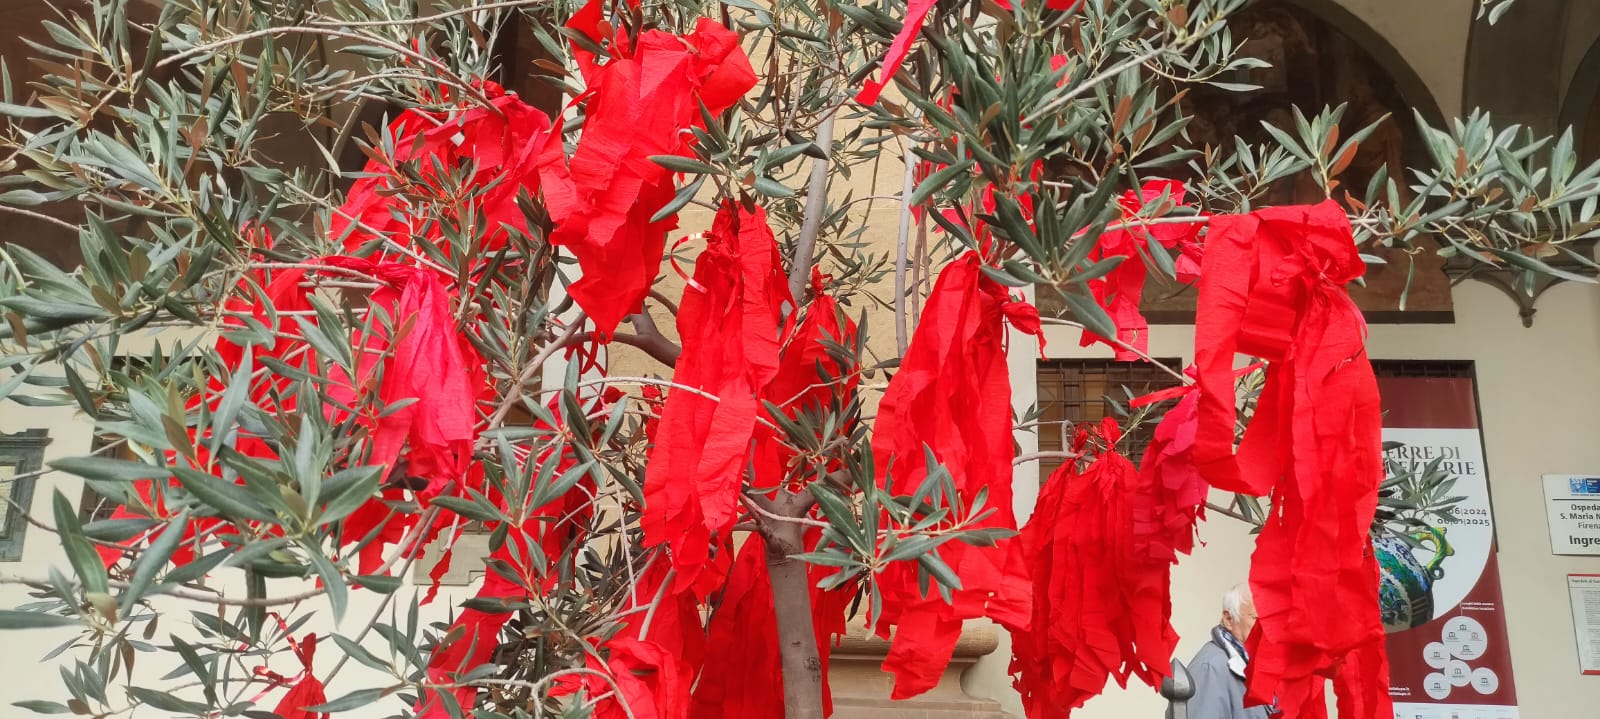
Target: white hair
x: 1235, y: 600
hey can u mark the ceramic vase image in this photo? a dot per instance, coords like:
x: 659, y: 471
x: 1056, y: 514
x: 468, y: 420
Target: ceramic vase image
x: 1405, y: 584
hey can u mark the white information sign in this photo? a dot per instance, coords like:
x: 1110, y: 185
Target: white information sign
x: 1585, y: 591
x: 1572, y: 505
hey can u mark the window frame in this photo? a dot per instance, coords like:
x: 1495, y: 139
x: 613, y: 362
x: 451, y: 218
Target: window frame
x: 24, y: 453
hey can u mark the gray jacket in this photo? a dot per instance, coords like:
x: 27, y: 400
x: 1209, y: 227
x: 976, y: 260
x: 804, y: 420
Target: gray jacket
x: 1218, y: 694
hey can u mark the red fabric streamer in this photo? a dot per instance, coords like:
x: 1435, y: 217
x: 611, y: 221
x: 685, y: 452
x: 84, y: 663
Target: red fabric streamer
x: 952, y: 396
x: 636, y: 106
x: 1273, y: 287
x: 1100, y: 546
x: 1121, y: 290
x: 729, y: 322
x: 500, y: 145
x: 743, y: 677
x: 916, y: 14
x: 808, y: 381
x: 307, y: 690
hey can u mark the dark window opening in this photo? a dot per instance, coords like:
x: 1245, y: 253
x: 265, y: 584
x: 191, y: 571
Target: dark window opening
x: 1076, y: 390
x: 21, y: 459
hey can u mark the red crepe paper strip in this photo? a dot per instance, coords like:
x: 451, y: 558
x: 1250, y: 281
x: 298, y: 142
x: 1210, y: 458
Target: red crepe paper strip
x: 424, y: 361
x: 433, y: 366
x: 916, y: 14
x: 282, y: 291
x: 501, y: 147
x: 651, y: 667
x: 306, y: 690
x: 1178, y: 491
x: 1067, y: 5
x: 1121, y: 290
x: 808, y: 381
x: 529, y: 555
x: 1273, y: 287
x: 644, y: 676
x: 952, y: 396
x: 743, y: 677
x: 472, y: 639
x: 729, y: 322
x: 1100, y: 546
x: 636, y: 106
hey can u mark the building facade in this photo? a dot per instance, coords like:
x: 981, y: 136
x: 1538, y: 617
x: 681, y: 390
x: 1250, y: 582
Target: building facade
x: 1535, y: 362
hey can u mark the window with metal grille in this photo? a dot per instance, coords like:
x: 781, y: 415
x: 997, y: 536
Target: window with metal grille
x: 1075, y: 390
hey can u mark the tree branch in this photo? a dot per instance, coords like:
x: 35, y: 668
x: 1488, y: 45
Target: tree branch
x: 1036, y: 456
x: 901, y: 247
x: 816, y: 206
x: 650, y: 339
x: 791, y: 600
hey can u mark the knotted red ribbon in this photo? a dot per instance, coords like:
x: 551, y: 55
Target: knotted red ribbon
x: 1100, y: 548
x: 1121, y: 291
x: 636, y: 105
x: 1273, y: 286
x: 952, y: 398
x: 306, y: 689
x: 730, y: 322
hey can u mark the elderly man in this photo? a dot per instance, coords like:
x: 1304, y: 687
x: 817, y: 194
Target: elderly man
x: 1218, y: 668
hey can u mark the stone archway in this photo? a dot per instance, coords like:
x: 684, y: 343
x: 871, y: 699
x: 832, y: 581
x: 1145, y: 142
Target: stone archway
x: 1514, y: 67
x: 1580, y: 109
x: 1322, y: 55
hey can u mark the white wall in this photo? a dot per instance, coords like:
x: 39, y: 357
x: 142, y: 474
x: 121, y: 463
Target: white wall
x: 1431, y: 35
x: 1539, y: 390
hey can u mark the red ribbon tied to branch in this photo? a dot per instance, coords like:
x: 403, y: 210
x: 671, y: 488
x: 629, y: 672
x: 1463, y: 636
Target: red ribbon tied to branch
x: 1100, y: 548
x: 951, y: 399
x: 730, y: 322
x: 1273, y: 286
x: 637, y: 105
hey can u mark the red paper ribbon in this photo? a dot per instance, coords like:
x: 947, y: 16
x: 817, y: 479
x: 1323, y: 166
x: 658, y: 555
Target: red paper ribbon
x: 1273, y: 286
x: 951, y: 398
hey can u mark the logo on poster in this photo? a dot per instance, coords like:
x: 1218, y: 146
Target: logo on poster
x: 1584, y: 485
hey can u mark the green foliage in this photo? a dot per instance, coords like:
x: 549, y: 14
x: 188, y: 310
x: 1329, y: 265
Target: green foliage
x: 183, y: 138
